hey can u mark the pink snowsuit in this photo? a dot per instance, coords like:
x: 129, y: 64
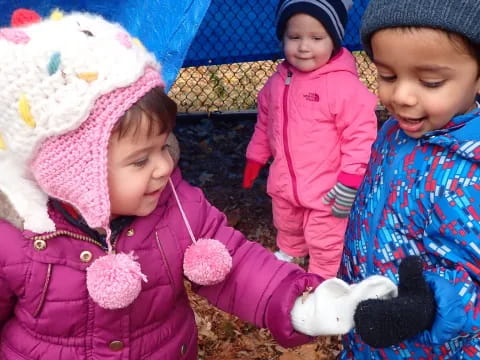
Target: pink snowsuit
x: 318, y: 126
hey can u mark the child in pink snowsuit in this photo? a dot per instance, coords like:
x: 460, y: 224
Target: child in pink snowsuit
x: 317, y: 120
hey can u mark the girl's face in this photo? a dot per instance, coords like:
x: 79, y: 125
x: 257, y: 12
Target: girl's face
x: 306, y: 43
x: 139, y: 166
x: 425, y: 77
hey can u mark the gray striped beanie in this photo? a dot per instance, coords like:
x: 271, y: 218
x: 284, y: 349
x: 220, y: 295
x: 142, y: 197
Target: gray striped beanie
x: 458, y: 16
x: 333, y: 14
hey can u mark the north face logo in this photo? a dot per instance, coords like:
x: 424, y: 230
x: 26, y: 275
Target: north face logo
x: 312, y: 97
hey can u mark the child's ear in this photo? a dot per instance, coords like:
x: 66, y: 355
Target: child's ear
x: 173, y: 148
x: 478, y: 84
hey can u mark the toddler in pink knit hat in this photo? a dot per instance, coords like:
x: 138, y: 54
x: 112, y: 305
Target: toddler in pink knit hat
x: 105, y: 230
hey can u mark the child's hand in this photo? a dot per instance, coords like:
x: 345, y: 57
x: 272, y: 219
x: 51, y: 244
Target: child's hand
x: 342, y: 197
x: 252, y: 169
x: 329, y: 309
x: 382, y: 323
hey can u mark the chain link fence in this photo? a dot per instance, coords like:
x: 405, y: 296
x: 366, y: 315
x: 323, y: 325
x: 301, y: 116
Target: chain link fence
x: 235, y: 51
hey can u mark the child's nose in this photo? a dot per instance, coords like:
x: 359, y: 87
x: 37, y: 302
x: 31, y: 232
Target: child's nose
x: 404, y: 94
x: 303, y: 45
x: 163, y: 166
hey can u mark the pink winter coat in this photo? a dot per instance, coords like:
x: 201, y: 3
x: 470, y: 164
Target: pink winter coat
x: 318, y: 126
x: 46, y: 312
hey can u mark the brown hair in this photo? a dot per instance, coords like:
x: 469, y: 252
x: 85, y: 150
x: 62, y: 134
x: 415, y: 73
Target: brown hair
x: 160, y: 111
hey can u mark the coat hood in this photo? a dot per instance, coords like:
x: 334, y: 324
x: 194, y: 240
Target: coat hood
x: 343, y: 61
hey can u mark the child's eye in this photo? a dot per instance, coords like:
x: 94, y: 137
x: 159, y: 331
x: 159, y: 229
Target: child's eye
x: 140, y: 163
x: 293, y: 37
x: 433, y: 84
x: 387, y: 78
x: 317, y: 38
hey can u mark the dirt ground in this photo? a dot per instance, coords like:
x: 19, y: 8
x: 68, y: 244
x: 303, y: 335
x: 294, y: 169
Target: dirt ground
x: 213, y: 157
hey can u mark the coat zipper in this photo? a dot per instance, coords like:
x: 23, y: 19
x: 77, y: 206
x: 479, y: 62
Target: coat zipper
x: 288, y: 156
x: 73, y: 235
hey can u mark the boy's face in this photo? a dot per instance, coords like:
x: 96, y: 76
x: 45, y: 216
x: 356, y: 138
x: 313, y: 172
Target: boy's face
x: 139, y: 167
x: 306, y: 43
x: 424, y: 77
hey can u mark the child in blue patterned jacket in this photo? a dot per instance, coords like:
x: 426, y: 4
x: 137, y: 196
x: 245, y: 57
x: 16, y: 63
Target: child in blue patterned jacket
x: 421, y: 192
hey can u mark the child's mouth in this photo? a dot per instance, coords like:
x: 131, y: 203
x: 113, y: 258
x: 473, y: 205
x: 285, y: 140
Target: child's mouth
x: 409, y: 124
x: 152, y: 193
x: 413, y: 120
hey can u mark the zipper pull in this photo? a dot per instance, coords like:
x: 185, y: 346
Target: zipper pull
x: 289, y: 78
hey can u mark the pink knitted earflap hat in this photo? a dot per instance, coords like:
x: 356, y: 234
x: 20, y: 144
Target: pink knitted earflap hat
x: 79, y: 158
x: 64, y: 82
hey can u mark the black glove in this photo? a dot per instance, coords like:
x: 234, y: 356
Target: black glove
x: 382, y: 323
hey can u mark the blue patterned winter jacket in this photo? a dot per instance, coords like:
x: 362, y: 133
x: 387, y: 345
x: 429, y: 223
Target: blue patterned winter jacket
x: 422, y: 197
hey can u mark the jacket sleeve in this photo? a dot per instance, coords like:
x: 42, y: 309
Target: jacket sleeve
x: 353, y: 106
x: 258, y: 148
x: 453, y: 234
x: 259, y: 288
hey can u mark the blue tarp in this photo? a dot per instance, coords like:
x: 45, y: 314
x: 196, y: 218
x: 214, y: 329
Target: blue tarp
x: 231, y: 31
x: 244, y: 30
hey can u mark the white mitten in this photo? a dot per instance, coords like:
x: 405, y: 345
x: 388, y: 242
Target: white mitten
x: 329, y: 309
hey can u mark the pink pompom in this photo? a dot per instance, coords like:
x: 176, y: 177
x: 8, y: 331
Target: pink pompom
x: 207, y: 262
x: 115, y: 280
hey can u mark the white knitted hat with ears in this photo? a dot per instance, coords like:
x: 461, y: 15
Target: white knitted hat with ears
x: 51, y: 73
